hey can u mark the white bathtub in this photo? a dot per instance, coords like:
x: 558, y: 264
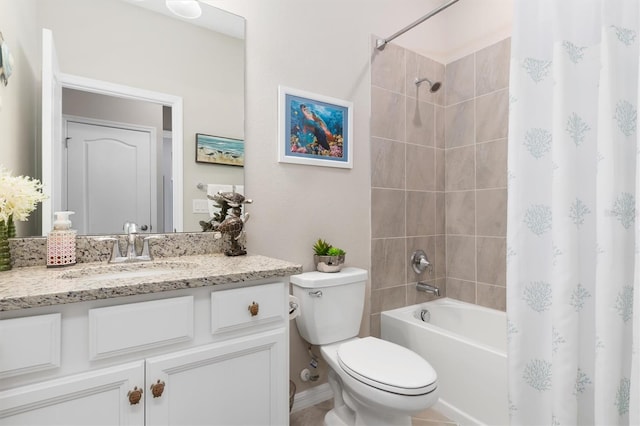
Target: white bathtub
x: 466, y: 344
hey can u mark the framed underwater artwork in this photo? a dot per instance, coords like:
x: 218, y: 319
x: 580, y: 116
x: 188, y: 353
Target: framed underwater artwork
x: 314, y: 129
x: 219, y: 150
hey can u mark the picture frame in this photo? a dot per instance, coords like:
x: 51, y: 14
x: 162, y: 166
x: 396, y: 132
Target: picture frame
x: 219, y: 150
x: 314, y: 129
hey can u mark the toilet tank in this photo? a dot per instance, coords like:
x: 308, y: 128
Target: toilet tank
x: 331, y: 304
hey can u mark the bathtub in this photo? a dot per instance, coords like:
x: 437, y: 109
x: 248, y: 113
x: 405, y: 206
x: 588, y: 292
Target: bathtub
x: 466, y: 344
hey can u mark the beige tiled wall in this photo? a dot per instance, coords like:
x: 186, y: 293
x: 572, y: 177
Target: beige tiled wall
x: 408, y: 177
x: 438, y: 176
x: 476, y: 124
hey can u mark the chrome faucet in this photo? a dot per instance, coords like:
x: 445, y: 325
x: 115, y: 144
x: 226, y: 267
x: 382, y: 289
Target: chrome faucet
x: 131, y: 255
x: 131, y: 229
x: 428, y: 288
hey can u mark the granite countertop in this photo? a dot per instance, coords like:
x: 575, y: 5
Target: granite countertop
x: 35, y: 286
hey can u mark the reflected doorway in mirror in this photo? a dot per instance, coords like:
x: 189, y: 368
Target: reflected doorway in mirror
x: 105, y: 197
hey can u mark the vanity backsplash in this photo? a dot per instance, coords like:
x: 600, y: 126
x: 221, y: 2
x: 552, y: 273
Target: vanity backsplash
x: 33, y: 251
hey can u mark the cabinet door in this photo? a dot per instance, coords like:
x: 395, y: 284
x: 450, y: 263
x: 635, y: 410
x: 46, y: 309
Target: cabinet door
x: 241, y: 381
x: 93, y: 398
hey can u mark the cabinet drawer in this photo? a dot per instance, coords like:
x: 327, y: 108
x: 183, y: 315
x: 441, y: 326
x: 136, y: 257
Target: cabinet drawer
x: 29, y: 344
x: 138, y: 326
x: 230, y: 309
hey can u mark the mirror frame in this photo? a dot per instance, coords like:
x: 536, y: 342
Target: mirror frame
x: 117, y: 90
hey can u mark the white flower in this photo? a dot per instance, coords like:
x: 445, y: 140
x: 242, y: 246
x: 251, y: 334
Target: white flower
x: 19, y: 195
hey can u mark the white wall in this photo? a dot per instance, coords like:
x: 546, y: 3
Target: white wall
x: 19, y: 100
x: 321, y: 47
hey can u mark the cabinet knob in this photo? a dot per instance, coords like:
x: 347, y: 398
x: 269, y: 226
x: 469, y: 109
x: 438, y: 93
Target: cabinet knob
x: 134, y: 395
x: 157, y: 389
x: 253, y: 308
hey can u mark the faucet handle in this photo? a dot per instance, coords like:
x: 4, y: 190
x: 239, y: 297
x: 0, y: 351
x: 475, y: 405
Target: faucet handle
x: 146, y: 251
x: 115, y: 248
x: 424, y: 263
x: 420, y: 262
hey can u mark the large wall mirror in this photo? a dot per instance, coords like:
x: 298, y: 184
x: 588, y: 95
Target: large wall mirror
x: 140, y: 45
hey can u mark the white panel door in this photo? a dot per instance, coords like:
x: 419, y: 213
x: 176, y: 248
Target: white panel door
x: 237, y: 382
x: 88, y: 399
x: 109, y: 178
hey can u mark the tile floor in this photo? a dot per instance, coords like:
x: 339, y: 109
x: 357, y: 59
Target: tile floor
x: 314, y: 416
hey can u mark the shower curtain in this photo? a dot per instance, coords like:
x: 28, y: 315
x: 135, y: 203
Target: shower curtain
x: 573, y: 241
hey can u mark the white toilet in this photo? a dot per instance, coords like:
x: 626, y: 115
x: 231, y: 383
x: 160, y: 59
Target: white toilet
x: 374, y: 382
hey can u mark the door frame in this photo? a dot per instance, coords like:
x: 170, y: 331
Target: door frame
x: 153, y: 161
x: 174, y: 102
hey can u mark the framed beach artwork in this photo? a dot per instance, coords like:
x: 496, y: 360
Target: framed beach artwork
x: 219, y: 150
x: 314, y: 129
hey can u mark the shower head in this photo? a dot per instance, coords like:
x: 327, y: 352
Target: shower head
x: 434, y: 87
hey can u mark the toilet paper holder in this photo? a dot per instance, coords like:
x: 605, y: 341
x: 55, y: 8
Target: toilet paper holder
x: 294, y: 307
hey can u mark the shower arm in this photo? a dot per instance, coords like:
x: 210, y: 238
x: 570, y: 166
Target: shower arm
x: 381, y: 43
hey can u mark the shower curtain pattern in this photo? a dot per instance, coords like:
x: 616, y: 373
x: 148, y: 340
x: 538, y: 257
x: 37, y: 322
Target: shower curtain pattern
x: 573, y: 258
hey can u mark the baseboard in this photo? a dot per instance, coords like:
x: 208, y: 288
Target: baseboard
x: 311, y: 396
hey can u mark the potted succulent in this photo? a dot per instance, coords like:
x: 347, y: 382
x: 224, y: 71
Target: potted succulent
x: 326, y: 257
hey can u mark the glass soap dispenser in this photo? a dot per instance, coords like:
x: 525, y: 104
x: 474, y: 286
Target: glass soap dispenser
x: 61, y: 242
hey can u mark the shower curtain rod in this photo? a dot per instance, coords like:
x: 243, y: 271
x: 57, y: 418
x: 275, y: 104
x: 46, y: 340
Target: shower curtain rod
x: 381, y: 43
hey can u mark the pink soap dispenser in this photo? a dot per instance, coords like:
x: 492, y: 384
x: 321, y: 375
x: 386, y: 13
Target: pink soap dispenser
x: 61, y: 242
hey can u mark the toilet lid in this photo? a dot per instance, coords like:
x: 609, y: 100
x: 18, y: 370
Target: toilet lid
x: 387, y: 366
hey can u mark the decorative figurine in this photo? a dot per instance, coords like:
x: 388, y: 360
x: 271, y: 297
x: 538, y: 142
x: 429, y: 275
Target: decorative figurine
x: 229, y: 223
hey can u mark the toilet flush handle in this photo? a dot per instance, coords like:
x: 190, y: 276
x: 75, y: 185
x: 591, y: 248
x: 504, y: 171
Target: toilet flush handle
x: 317, y: 293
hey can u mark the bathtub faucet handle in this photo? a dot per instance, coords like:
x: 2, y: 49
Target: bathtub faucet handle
x: 420, y: 262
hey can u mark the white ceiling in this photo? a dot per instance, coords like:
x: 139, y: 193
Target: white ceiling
x: 212, y: 17
x: 462, y: 28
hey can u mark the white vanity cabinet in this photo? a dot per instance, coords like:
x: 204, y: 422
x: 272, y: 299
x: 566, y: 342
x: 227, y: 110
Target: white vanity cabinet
x: 237, y: 382
x: 92, y: 398
x: 187, y: 357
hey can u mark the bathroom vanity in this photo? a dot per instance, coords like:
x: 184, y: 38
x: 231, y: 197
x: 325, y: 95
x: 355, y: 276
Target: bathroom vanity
x: 199, y: 339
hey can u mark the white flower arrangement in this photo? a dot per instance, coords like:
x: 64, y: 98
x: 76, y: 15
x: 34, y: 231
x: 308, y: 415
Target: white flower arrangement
x: 19, y: 196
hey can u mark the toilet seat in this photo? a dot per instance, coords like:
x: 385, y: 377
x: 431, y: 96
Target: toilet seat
x: 387, y: 366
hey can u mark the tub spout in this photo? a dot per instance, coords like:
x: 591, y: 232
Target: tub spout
x: 428, y: 288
